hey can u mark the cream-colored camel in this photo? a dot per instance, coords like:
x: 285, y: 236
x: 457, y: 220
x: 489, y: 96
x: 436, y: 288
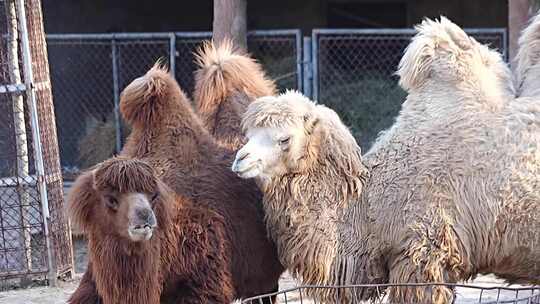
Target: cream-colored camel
x: 451, y: 190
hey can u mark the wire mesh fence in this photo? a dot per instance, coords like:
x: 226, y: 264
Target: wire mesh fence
x: 89, y: 71
x: 460, y: 293
x: 354, y: 74
x: 35, y: 242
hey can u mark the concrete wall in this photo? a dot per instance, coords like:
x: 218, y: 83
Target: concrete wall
x: 63, y: 16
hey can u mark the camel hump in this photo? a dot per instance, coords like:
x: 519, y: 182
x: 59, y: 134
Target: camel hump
x: 145, y: 99
x: 528, y: 60
x: 442, y: 50
x: 224, y: 73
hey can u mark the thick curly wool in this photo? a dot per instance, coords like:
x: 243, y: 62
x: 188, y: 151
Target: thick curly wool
x: 225, y: 83
x: 331, y: 180
x: 122, y: 271
x: 528, y: 60
x: 171, y: 137
x: 459, y: 167
x: 453, y: 185
x: 124, y: 175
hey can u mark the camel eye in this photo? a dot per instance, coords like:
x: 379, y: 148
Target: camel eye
x: 155, y: 196
x: 111, y: 202
x: 284, y: 141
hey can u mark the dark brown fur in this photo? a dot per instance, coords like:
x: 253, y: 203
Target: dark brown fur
x: 170, y: 136
x: 186, y: 261
x: 226, y: 82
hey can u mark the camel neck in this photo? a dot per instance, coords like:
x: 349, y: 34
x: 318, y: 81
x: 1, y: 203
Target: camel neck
x: 129, y: 267
x: 310, y: 220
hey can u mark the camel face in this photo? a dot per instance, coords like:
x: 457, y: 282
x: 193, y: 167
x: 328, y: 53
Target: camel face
x: 130, y: 214
x: 270, y: 152
x: 279, y: 131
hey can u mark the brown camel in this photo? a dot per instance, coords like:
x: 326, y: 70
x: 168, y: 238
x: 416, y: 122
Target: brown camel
x: 145, y: 243
x: 168, y: 133
x: 225, y: 84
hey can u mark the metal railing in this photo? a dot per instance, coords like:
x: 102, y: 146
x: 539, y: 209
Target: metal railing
x: 461, y: 293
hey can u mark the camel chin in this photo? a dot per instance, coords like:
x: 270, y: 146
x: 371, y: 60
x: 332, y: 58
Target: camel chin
x: 137, y: 234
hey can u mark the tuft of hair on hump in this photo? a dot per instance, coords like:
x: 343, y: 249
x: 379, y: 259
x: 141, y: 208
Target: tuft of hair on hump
x: 223, y: 72
x: 528, y: 59
x: 433, y: 36
x: 123, y: 174
x: 286, y: 109
x: 150, y: 97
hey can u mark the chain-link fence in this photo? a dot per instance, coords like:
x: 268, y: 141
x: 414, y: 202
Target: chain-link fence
x: 89, y: 71
x: 351, y: 71
x: 354, y: 74
x: 35, y: 242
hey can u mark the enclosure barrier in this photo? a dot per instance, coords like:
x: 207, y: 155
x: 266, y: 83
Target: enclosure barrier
x: 351, y: 70
x: 461, y: 294
x: 89, y: 71
x: 35, y: 239
x: 354, y: 74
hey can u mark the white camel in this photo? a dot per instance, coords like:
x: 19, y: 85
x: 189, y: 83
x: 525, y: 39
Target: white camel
x: 451, y: 190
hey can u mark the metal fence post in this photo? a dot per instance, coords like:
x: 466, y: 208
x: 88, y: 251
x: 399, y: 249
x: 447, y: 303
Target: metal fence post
x: 36, y: 136
x: 307, y: 72
x: 116, y: 94
x: 299, y: 61
x: 172, y: 54
x: 315, y: 64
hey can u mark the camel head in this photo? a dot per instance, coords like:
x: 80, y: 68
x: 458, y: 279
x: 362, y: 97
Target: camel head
x: 290, y: 134
x: 117, y: 199
x: 279, y: 132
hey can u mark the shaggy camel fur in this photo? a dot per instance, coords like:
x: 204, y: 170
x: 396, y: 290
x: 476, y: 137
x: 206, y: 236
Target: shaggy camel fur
x: 528, y: 60
x: 146, y: 244
x: 167, y: 133
x: 226, y: 82
x: 452, y: 190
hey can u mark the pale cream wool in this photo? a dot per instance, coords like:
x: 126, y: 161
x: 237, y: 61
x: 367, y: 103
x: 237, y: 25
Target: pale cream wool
x: 451, y: 190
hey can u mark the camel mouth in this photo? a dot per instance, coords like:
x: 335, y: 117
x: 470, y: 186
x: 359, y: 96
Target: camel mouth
x: 250, y: 171
x: 140, y: 233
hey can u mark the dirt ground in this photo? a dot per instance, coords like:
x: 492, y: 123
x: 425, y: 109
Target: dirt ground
x: 60, y: 294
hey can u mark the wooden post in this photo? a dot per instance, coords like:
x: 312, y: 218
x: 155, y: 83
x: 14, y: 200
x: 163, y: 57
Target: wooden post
x: 230, y: 22
x: 518, y: 14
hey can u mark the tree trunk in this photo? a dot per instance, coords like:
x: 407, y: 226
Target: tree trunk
x: 518, y: 15
x: 230, y: 22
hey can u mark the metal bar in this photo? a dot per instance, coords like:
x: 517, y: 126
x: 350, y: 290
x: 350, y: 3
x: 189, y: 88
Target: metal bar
x: 299, y: 63
x: 109, y: 36
x: 505, y: 45
x: 172, y: 54
x: 281, y: 32
x: 12, y: 88
x: 401, y: 31
x: 146, y: 35
x: 36, y: 135
x: 116, y: 97
x: 307, y: 73
x: 193, y: 34
x: 315, y: 64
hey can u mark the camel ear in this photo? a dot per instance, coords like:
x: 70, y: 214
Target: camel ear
x: 80, y: 201
x: 310, y: 123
